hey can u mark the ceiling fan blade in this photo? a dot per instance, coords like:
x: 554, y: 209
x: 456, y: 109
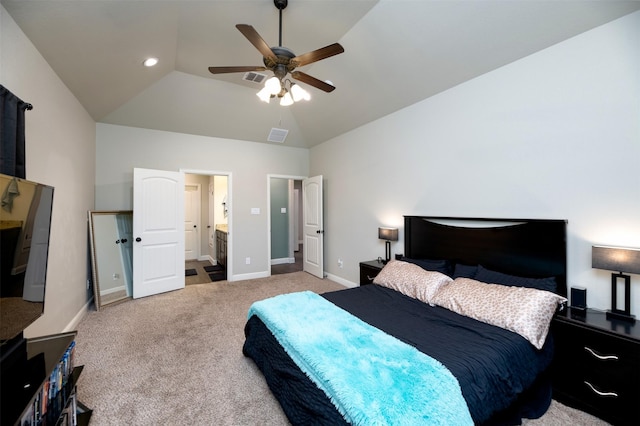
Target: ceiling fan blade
x: 252, y: 35
x: 224, y: 70
x: 317, y: 55
x: 312, y: 81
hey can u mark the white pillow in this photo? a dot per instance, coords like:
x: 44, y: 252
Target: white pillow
x: 411, y: 280
x: 526, y: 311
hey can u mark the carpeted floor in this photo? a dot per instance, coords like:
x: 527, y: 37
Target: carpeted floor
x: 176, y: 358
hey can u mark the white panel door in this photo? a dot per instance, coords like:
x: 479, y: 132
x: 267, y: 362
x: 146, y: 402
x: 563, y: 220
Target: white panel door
x: 191, y: 221
x: 313, y: 238
x: 158, y: 230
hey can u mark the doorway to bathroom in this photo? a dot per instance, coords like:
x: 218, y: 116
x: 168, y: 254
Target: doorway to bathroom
x: 206, y: 226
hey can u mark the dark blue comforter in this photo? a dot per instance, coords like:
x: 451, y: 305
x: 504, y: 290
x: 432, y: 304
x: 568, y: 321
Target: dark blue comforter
x: 493, y: 366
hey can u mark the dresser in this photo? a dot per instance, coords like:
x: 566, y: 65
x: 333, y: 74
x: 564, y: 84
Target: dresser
x: 597, y: 365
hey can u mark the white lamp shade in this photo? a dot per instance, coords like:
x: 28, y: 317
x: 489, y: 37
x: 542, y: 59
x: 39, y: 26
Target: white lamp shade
x: 273, y: 85
x: 286, y: 99
x: 264, y: 95
x: 299, y: 93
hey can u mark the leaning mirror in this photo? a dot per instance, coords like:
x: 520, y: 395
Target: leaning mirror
x: 110, y: 235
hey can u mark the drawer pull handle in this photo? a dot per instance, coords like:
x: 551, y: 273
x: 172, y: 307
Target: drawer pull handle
x: 370, y: 278
x: 596, y: 391
x: 603, y: 357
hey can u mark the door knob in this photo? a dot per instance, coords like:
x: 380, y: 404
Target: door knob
x: 138, y: 239
x: 124, y: 240
x: 194, y: 226
x: 117, y: 241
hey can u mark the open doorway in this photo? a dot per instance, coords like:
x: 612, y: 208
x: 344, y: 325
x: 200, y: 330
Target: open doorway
x: 207, y: 223
x: 285, y: 208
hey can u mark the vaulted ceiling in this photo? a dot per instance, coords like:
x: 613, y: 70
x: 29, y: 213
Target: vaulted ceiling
x: 397, y: 52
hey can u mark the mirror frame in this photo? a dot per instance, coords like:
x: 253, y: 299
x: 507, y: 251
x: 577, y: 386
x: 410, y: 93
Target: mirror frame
x: 97, y: 300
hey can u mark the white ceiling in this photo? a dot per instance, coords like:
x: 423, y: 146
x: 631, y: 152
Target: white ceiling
x: 397, y: 52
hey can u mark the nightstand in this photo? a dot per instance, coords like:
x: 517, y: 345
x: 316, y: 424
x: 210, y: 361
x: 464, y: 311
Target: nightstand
x: 369, y: 270
x: 596, y: 366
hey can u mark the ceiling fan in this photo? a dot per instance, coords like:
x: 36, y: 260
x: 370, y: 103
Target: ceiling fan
x: 282, y: 61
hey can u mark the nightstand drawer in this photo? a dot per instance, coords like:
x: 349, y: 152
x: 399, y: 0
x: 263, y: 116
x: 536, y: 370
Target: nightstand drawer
x: 369, y: 270
x: 618, y: 406
x: 602, y: 356
x: 596, y: 371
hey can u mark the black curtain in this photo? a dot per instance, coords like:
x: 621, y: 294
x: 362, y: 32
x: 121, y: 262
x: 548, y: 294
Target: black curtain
x: 12, y: 150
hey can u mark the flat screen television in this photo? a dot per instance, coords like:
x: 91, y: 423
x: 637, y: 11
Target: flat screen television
x: 25, y: 224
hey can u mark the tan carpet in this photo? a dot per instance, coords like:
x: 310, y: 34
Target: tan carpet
x: 176, y: 358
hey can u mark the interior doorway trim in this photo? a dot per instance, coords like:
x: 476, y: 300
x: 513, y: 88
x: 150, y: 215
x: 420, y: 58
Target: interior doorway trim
x: 228, y: 174
x: 269, y: 177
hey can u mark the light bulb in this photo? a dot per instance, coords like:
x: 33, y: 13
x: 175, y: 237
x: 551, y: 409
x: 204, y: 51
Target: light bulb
x: 299, y: 93
x: 149, y: 62
x: 273, y: 85
x: 286, y: 100
x: 264, y: 95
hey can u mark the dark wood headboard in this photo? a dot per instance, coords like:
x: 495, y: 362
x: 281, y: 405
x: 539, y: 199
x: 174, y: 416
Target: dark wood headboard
x: 533, y: 248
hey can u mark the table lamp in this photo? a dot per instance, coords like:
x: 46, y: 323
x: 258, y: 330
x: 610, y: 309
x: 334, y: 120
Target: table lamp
x: 387, y: 234
x: 622, y: 260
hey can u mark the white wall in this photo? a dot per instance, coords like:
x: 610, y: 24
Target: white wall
x: 554, y: 135
x: 120, y: 149
x: 60, y: 151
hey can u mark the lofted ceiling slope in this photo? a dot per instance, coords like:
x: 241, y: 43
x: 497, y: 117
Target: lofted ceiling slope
x: 397, y: 53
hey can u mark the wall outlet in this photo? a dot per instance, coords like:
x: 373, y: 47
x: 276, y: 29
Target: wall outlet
x: 340, y: 263
x: 247, y: 261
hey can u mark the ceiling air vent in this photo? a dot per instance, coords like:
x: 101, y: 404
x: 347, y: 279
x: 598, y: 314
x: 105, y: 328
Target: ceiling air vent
x: 277, y: 135
x: 254, y: 76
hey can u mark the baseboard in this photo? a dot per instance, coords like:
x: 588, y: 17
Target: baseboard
x: 283, y: 260
x: 113, y: 290
x: 251, y: 276
x: 75, y: 321
x: 342, y: 281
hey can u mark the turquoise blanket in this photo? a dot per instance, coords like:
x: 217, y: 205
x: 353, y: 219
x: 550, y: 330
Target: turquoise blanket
x: 371, y: 377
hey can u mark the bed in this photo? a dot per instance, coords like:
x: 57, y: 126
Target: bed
x: 412, y: 351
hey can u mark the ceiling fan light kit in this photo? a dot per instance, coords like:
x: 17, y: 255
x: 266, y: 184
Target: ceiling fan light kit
x: 282, y: 62
x: 275, y: 87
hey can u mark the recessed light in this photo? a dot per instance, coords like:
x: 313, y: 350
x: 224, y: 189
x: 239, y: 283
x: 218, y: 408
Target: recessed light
x: 149, y: 62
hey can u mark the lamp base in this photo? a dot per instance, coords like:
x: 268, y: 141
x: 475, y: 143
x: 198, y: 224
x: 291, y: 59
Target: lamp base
x: 620, y: 316
x: 387, y: 252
